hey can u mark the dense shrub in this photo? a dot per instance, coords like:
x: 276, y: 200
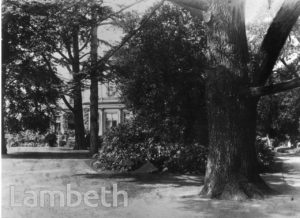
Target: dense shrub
x: 128, y: 146
x: 26, y: 138
x: 190, y: 158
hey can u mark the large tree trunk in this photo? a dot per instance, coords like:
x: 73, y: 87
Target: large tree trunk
x: 232, y: 171
x: 94, y: 126
x: 232, y: 168
x: 77, y: 95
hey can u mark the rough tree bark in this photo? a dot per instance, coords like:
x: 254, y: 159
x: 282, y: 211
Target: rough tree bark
x: 77, y: 95
x: 94, y: 129
x: 232, y: 171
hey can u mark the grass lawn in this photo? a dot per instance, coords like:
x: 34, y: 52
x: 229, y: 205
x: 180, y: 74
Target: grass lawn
x: 152, y: 195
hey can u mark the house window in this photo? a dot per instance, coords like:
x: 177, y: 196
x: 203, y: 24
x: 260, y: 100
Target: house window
x: 111, y: 120
x: 111, y: 89
x: 57, y: 124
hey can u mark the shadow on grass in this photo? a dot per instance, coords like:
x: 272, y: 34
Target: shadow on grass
x: 149, y: 179
x: 284, y: 203
x: 284, y: 179
x: 284, y: 175
x: 48, y: 155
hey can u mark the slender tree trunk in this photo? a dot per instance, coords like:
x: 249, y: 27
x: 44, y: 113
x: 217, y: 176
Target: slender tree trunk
x: 77, y: 95
x: 5, y: 58
x: 3, y: 140
x: 94, y: 126
x: 78, y: 116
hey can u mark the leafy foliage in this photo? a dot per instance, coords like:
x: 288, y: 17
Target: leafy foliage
x: 128, y: 146
x: 266, y: 157
x: 30, y: 89
x: 160, y: 75
x: 26, y: 138
x: 279, y: 115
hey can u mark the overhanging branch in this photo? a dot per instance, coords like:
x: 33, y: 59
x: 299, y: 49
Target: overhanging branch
x: 275, y: 39
x: 272, y: 89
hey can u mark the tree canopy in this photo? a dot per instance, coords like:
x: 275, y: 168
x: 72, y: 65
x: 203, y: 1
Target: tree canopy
x: 30, y: 89
x: 161, y: 74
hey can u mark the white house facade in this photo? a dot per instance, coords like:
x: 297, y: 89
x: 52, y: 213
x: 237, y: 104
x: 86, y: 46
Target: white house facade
x: 111, y: 111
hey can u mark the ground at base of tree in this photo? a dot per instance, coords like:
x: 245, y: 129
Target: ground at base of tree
x: 151, y: 195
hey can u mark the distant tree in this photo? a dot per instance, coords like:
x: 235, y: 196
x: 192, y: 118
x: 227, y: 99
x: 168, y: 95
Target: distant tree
x: 161, y: 77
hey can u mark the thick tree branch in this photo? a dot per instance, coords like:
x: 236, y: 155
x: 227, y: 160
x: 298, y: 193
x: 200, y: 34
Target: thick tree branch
x: 272, y: 89
x: 275, y: 39
x: 67, y: 103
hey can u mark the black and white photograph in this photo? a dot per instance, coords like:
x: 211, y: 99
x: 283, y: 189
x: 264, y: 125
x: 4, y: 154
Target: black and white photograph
x: 150, y: 108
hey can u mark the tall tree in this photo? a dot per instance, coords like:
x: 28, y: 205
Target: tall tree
x: 71, y: 26
x: 29, y: 90
x: 233, y: 87
x: 62, y: 34
x: 94, y: 126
